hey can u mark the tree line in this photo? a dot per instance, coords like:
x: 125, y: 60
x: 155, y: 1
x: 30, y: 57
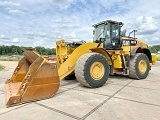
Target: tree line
x: 18, y: 50
x: 155, y: 48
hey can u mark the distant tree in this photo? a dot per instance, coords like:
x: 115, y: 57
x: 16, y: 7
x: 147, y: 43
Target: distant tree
x: 45, y: 51
x: 17, y: 50
x: 157, y: 47
x: 54, y: 51
x: 154, y: 48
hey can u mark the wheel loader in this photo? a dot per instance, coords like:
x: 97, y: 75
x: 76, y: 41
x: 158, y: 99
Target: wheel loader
x: 111, y: 52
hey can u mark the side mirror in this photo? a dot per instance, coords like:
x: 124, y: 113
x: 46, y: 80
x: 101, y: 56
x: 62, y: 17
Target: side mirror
x: 93, y: 32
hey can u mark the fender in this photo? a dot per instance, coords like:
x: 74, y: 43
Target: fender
x: 146, y: 51
x: 135, y: 50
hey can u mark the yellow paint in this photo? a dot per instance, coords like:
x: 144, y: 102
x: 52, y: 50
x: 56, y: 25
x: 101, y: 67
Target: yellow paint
x: 97, y: 70
x: 141, y: 44
x: 154, y: 59
x: 117, y: 61
x: 117, y: 52
x: 61, y: 52
x: 142, y: 66
x: 126, y: 49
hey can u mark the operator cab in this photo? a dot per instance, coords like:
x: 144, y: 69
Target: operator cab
x: 108, y: 33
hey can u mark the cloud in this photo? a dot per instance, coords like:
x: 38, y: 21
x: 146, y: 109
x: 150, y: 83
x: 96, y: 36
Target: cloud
x: 67, y: 26
x: 39, y: 43
x: 44, y: 22
x: 73, y: 35
x: 146, y: 25
x: 9, y: 3
x: 63, y: 4
x: 15, y: 40
x: 30, y: 33
x: 16, y: 12
x: 2, y: 36
x: 43, y: 34
x: 37, y: 35
x: 58, y: 20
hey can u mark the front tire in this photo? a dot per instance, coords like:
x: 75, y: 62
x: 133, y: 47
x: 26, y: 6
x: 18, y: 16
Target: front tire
x: 139, y: 66
x: 92, y: 70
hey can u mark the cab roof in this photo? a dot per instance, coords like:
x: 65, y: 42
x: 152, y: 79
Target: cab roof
x: 107, y: 21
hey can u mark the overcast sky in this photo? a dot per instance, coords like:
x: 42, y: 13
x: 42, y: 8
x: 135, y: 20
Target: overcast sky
x: 42, y: 22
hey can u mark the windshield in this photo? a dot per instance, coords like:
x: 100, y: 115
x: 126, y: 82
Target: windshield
x: 115, y: 31
x: 99, y: 32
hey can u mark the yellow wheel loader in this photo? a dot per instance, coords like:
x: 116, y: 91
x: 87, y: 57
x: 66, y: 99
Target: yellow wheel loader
x: 111, y: 52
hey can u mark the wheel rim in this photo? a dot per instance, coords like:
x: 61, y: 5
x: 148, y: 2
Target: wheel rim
x: 97, y: 70
x: 142, y: 66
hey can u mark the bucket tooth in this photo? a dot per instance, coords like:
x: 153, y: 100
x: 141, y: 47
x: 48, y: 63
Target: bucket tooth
x: 33, y: 79
x: 11, y: 96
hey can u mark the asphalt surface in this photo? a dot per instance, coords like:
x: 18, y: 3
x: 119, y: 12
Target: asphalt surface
x: 121, y: 98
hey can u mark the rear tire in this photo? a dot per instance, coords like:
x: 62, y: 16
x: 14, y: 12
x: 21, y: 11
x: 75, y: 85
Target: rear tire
x: 139, y: 66
x: 92, y: 70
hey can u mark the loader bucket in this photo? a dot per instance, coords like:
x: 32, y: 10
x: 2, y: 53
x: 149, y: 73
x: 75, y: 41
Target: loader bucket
x: 33, y: 79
